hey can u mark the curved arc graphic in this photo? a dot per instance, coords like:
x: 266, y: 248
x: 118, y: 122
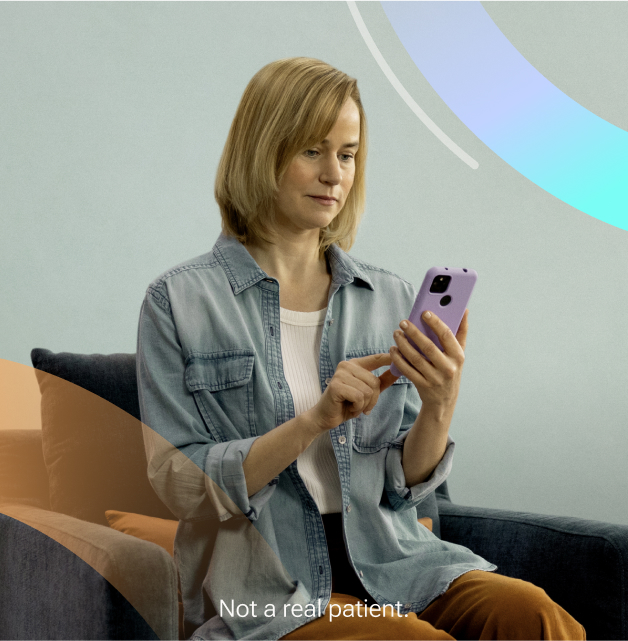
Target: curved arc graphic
x: 537, y: 129
x: 402, y: 91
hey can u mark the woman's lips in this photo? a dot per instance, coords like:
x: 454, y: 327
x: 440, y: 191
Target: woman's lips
x: 323, y: 200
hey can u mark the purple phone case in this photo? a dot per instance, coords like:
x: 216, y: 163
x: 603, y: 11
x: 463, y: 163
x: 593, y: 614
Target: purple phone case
x: 459, y: 288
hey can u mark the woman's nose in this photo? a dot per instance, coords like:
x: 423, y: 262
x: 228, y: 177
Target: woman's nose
x: 331, y: 173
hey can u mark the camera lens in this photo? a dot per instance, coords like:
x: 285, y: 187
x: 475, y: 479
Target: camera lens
x: 445, y: 300
x: 439, y: 284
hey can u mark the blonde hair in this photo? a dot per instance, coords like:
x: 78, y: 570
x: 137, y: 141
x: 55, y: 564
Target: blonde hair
x: 288, y: 105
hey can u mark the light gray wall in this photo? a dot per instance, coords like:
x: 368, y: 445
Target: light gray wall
x: 112, y: 120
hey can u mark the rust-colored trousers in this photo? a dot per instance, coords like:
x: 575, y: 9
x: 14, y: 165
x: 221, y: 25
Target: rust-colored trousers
x: 477, y: 605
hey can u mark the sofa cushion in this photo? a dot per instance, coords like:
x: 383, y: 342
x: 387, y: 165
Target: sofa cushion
x: 92, y: 436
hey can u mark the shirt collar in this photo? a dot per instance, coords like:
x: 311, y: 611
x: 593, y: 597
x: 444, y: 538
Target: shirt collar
x: 243, y: 272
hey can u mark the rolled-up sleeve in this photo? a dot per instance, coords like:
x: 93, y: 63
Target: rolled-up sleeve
x: 224, y: 467
x: 193, y: 474
x: 401, y: 496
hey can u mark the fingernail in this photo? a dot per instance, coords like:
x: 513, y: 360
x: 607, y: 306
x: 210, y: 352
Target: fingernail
x: 403, y: 324
x: 367, y: 413
x: 427, y: 315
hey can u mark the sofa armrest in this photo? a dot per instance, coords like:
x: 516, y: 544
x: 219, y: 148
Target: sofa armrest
x: 71, y: 579
x: 581, y: 564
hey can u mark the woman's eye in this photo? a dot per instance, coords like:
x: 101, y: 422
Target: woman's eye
x: 311, y: 153
x: 346, y: 157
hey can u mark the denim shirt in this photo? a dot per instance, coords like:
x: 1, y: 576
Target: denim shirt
x: 211, y: 381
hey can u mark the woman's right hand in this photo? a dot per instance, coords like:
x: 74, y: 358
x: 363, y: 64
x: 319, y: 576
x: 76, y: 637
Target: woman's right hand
x: 353, y: 390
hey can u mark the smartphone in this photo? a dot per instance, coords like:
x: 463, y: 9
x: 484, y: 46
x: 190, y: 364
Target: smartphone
x: 446, y: 292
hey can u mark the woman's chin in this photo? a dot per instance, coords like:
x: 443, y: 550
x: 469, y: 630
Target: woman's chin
x: 309, y: 224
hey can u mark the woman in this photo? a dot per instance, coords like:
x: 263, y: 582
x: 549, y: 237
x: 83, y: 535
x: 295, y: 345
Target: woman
x: 272, y: 438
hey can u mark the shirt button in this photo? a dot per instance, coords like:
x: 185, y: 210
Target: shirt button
x: 407, y: 606
x: 268, y: 280
x: 348, y: 508
x: 327, y: 381
x: 361, y: 574
x: 331, y: 322
x: 342, y: 440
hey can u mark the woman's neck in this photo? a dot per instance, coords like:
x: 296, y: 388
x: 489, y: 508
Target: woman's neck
x: 303, y: 276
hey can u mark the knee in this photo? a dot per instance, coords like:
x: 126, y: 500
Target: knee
x: 521, y: 610
x: 516, y: 594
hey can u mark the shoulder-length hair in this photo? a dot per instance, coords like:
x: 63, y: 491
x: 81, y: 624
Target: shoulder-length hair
x: 287, y: 106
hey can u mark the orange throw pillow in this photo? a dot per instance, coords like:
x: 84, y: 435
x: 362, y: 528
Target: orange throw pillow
x: 148, y: 528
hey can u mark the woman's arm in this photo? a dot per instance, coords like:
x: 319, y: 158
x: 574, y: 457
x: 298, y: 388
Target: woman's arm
x: 438, y: 383
x: 193, y: 474
x: 353, y: 389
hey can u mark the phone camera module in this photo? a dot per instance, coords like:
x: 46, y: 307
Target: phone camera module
x: 439, y: 284
x: 445, y: 300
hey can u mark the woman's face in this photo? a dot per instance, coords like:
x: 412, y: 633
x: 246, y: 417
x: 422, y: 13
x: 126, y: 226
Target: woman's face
x: 317, y: 182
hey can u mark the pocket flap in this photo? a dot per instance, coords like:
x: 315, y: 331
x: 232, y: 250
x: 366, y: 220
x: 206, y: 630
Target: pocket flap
x: 219, y: 370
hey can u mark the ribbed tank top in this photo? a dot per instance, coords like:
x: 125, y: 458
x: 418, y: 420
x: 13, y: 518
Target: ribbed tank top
x: 301, y: 334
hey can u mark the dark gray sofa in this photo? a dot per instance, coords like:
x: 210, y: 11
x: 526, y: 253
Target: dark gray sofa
x: 66, y: 575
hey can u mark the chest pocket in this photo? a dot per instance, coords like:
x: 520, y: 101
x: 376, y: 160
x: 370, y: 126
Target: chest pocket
x: 222, y: 385
x: 381, y: 427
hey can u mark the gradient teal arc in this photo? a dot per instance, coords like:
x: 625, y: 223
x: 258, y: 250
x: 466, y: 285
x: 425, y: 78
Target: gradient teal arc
x: 526, y: 120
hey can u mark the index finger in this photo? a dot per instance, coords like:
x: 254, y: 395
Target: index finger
x: 373, y: 361
x: 386, y: 380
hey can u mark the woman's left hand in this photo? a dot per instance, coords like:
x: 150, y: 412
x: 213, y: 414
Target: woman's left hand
x: 438, y: 379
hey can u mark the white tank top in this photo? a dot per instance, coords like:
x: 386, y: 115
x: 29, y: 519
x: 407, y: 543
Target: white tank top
x: 301, y: 334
